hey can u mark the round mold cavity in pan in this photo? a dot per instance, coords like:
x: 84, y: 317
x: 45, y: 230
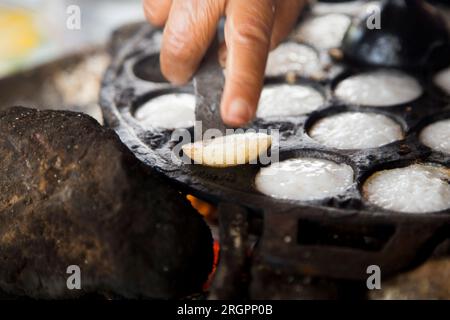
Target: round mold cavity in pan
x: 334, y: 27
x: 330, y: 69
x: 342, y: 199
x: 350, y: 74
x: 429, y: 123
x: 412, y: 112
x: 281, y: 101
x: 359, y: 135
x: 293, y: 180
x: 337, y: 108
x: 295, y: 59
x: 439, y: 115
x: 437, y: 89
x: 141, y: 86
x: 289, y: 127
x: 154, y: 136
x: 147, y: 68
x: 408, y: 170
x: 141, y: 101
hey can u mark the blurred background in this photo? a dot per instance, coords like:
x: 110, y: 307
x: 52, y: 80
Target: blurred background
x: 34, y: 31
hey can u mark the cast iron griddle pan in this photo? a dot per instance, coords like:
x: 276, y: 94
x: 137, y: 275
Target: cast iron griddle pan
x: 337, y: 237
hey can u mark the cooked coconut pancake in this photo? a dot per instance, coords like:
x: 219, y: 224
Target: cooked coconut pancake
x: 304, y: 179
x: 169, y: 111
x: 293, y: 57
x: 418, y: 188
x: 356, y: 130
x: 288, y: 100
x: 442, y: 80
x: 437, y: 136
x: 380, y: 88
x: 228, y: 151
x: 324, y: 32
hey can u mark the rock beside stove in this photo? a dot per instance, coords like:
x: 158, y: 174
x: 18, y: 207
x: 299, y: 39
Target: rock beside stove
x: 72, y: 194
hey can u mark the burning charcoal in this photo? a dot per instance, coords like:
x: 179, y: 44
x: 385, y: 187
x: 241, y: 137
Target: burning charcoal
x: 72, y: 194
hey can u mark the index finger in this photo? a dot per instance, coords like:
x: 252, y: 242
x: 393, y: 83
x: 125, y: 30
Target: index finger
x: 247, y: 34
x: 157, y: 11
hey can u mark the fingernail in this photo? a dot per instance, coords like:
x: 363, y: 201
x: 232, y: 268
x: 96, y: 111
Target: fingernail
x: 239, y: 112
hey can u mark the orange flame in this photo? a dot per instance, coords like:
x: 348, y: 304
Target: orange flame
x: 216, y: 250
x: 207, y: 211
x: 204, y: 208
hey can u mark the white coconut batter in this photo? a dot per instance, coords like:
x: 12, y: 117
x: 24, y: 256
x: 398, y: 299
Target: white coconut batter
x: 442, y: 80
x: 293, y: 57
x: 356, y: 130
x: 169, y: 111
x: 380, y: 88
x: 418, y: 188
x: 324, y: 32
x: 437, y: 136
x: 304, y: 179
x: 288, y: 100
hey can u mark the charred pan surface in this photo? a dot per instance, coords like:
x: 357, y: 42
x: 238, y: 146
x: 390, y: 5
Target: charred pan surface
x: 72, y: 194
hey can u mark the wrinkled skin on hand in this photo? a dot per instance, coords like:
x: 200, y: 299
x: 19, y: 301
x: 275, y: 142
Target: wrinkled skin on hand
x: 252, y: 28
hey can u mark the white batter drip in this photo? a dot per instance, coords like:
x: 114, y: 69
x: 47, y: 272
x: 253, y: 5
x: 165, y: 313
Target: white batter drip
x: 169, y: 111
x: 415, y: 189
x: 304, y: 179
x: 356, y: 130
x: 381, y: 88
x: 288, y: 100
x: 437, y: 136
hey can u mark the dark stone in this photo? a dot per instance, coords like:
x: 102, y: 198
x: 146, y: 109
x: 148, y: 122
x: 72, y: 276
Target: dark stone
x: 72, y: 194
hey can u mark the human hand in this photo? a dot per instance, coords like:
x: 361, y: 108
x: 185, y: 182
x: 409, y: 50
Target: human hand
x: 252, y: 28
